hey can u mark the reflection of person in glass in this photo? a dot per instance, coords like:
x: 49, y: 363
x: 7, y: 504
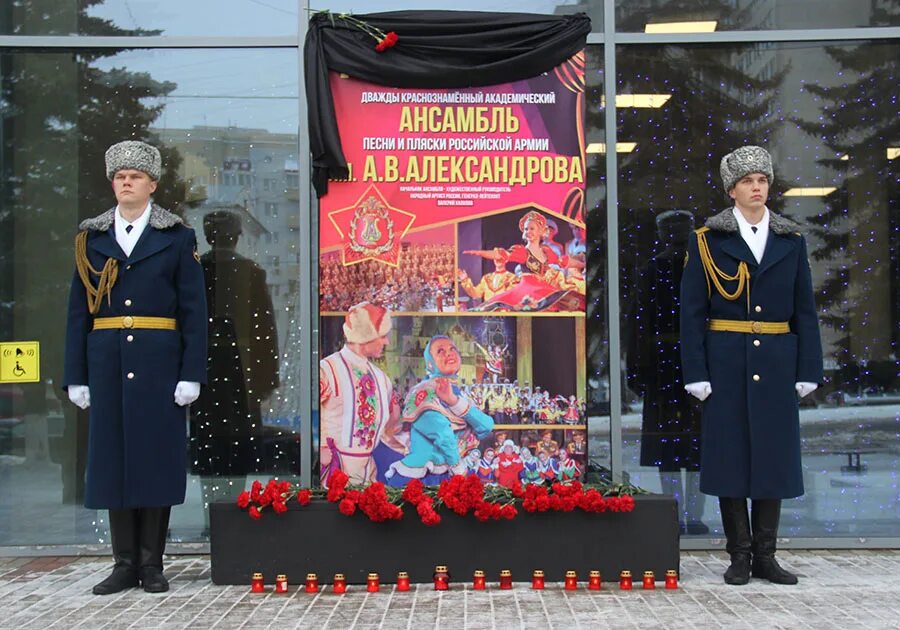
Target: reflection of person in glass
x: 670, y: 430
x: 750, y: 346
x: 542, y: 285
x: 136, y: 355
x: 358, y: 405
x: 242, y: 365
x: 443, y: 424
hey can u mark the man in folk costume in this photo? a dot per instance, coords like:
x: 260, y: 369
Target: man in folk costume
x: 358, y: 405
x: 750, y: 346
x: 491, y: 283
x: 136, y: 355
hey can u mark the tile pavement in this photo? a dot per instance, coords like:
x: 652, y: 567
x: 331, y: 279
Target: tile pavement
x: 838, y: 590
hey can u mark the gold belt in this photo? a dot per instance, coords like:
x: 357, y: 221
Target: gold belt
x: 756, y: 328
x: 129, y: 321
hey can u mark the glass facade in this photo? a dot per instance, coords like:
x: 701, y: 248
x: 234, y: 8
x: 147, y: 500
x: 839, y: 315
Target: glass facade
x: 831, y: 129
x: 227, y: 120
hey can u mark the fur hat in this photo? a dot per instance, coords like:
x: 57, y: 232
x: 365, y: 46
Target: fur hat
x: 741, y: 162
x: 133, y: 154
x: 365, y: 322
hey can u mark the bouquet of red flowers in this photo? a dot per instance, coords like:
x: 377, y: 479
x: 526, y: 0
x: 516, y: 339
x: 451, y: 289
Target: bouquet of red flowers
x: 461, y: 494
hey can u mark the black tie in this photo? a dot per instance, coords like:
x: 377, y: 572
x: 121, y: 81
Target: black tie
x: 752, y: 227
x: 128, y: 229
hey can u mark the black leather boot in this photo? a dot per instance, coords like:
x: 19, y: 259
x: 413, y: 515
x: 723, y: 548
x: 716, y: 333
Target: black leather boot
x: 154, y: 524
x: 736, y: 523
x: 765, y: 514
x: 123, y: 536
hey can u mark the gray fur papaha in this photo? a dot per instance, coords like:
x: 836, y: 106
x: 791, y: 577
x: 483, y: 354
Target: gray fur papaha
x: 133, y: 154
x: 744, y: 161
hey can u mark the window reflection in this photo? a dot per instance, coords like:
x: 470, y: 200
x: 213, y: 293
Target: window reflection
x: 750, y: 15
x: 62, y: 110
x: 827, y: 115
x: 596, y: 323
x: 151, y: 17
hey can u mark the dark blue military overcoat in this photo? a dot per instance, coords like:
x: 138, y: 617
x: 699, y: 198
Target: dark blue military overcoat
x: 750, y: 426
x: 137, y: 443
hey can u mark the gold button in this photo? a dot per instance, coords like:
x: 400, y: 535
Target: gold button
x: 756, y: 327
x: 756, y: 377
x: 758, y: 309
x: 131, y: 375
x: 756, y: 342
x: 131, y: 338
x: 128, y: 303
x: 128, y: 321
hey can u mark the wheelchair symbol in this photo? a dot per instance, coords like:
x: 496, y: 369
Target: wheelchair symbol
x: 18, y: 370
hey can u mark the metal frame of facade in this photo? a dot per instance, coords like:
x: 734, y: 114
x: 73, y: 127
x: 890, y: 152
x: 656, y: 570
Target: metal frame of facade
x: 308, y: 243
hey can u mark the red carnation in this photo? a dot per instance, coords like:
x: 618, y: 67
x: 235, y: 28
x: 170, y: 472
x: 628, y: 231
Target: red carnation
x: 508, y: 512
x: 255, y: 513
x: 431, y: 519
x: 389, y: 41
x: 243, y: 499
x: 414, y: 492
x: 280, y: 507
x: 255, y: 490
x: 626, y: 503
x: 347, y: 507
x: 304, y: 496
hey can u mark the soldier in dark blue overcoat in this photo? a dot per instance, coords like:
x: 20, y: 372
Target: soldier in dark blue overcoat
x: 136, y: 355
x: 750, y: 347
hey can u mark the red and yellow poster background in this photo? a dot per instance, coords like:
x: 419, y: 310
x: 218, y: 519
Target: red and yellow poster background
x: 464, y: 216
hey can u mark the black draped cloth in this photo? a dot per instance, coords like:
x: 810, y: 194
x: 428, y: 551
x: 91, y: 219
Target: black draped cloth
x: 436, y: 49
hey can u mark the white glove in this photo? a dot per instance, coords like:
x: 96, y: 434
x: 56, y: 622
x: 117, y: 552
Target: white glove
x: 700, y: 390
x: 186, y: 392
x: 804, y: 388
x: 80, y: 395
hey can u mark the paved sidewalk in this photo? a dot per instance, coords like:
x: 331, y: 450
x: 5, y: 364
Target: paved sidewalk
x: 838, y: 589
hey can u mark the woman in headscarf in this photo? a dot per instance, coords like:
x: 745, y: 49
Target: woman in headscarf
x: 443, y: 424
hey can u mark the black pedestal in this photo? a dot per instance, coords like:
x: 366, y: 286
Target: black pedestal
x: 319, y: 539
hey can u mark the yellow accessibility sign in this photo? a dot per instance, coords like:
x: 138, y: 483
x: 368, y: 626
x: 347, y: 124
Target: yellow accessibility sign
x: 20, y: 361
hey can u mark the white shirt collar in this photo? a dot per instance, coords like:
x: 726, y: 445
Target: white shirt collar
x: 140, y: 223
x: 756, y: 241
x: 354, y: 359
x: 127, y: 240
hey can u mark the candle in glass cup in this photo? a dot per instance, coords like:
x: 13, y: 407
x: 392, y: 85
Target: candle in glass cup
x: 671, y: 579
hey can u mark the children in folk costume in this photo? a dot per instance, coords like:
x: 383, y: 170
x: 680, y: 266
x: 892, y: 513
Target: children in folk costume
x: 443, y: 424
x: 531, y: 468
x: 509, y: 464
x: 549, y: 466
x: 357, y: 402
x: 487, y: 467
x: 472, y: 459
x: 568, y: 467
